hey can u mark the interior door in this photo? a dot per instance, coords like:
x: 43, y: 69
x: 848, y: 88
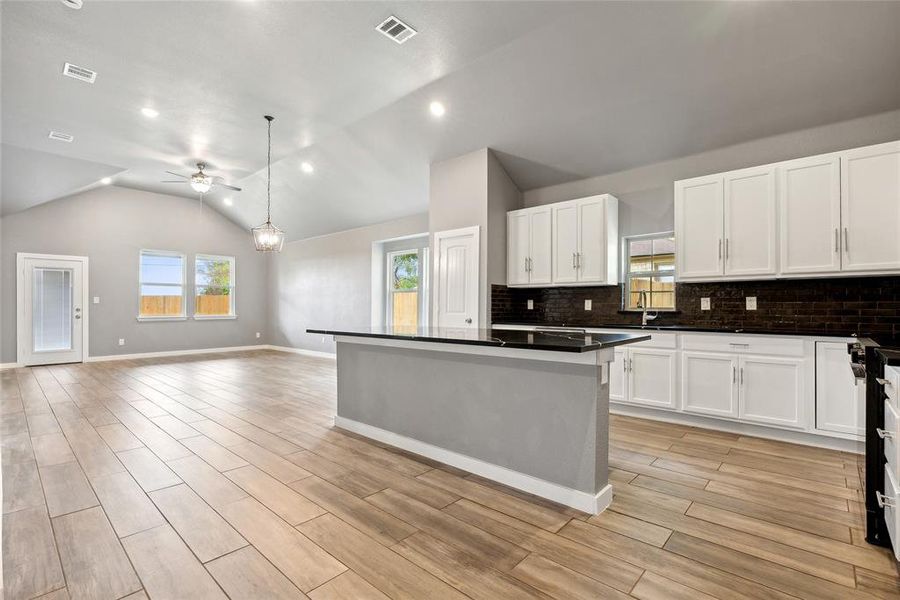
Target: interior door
x: 565, y: 242
x: 457, y: 278
x: 771, y: 390
x: 750, y: 231
x: 651, y: 377
x: 591, y: 260
x: 698, y: 227
x: 840, y: 401
x: 541, y: 265
x: 809, y: 192
x: 518, y: 243
x: 709, y: 383
x: 870, y: 208
x: 50, y: 311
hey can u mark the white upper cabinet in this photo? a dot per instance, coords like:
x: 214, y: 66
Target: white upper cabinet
x: 699, y: 223
x: 870, y: 208
x: 569, y: 243
x: 528, y: 237
x: 750, y: 227
x: 823, y: 215
x: 809, y: 193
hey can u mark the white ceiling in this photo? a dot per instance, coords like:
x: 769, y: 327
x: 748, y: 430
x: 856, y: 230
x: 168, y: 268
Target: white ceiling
x: 561, y: 90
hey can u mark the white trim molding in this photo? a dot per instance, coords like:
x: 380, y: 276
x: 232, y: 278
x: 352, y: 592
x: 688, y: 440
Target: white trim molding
x: 12, y: 365
x: 583, y: 501
x: 303, y: 351
x: 175, y: 353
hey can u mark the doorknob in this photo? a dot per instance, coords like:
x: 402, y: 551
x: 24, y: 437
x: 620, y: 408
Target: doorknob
x: 77, y: 310
x: 469, y: 321
x: 77, y: 316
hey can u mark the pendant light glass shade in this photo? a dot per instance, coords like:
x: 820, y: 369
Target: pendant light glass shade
x: 201, y: 183
x: 267, y: 237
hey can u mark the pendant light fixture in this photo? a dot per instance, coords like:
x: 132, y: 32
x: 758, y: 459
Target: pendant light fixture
x: 267, y: 237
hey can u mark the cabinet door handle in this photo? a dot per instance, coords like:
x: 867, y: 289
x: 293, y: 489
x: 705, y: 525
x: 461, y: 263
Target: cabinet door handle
x: 733, y: 374
x: 726, y: 248
x: 631, y: 365
x: 720, y: 248
x: 530, y: 264
x: 884, y: 501
x: 573, y: 260
x: 884, y: 434
x: 624, y: 365
x: 526, y: 264
x: 742, y: 375
x: 846, y: 241
x: 578, y: 260
x: 837, y: 241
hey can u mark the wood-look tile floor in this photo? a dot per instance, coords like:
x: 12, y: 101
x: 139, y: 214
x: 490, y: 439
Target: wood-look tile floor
x: 222, y: 476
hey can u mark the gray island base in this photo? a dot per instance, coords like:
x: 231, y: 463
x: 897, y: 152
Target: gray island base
x: 533, y: 418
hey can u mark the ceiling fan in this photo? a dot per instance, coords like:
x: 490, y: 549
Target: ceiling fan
x: 200, y: 181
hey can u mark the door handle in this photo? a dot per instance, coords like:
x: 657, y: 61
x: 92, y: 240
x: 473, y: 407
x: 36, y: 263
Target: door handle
x: 573, y: 261
x: 742, y: 375
x: 77, y: 316
x: 469, y: 321
x: 837, y: 241
x: 578, y: 260
x: 846, y: 241
x: 733, y: 374
x: 726, y: 248
x: 720, y: 248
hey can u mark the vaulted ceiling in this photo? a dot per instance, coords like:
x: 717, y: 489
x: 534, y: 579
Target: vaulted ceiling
x: 560, y: 90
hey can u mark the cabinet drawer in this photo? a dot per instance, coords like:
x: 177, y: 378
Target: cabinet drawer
x: 743, y: 344
x: 657, y: 339
x: 890, y: 508
x: 891, y: 445
x: 892, y: 385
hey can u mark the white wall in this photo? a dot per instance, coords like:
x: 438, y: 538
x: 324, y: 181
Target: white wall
x: 110, y: 225
x: 326, y: 282
x: 646, y: 194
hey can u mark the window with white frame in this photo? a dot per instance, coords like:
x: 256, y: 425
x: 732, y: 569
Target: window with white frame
x: 161, y: 285
x: 213, y: 286
x: 404, y: 289
x: 650, y: 272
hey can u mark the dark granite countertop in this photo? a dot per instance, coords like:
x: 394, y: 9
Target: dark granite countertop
x: 689, y: 328
x: 558, y: 341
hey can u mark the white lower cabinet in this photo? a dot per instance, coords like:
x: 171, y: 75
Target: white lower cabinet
x: 709, y: 383
x: 644, y: 376
x: 771, y: 390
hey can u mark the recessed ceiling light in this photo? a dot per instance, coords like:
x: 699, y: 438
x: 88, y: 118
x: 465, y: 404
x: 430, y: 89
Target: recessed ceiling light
x: 227, y: 201
x: 306, y: 167
x: 150, y: 113
x: 106, y: 180
x: 76, y: 4
x: 59, y: 136
x: 437, y: 109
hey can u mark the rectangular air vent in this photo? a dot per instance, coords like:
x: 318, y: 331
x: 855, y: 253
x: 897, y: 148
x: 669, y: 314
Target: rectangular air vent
x: 396, y: 29
x: 61, y: 137
x: 79, y: 73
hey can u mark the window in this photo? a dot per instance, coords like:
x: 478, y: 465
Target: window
x: 213, y: 286
x: 650, y: 272
x: 403, y: 289
x: 161, y: 285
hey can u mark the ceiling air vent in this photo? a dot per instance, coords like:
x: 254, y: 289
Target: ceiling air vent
x: 80, y: 73
x: 396, y: 29
x: 61, y: 137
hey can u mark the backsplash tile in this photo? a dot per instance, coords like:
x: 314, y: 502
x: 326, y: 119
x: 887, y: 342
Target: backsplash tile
x: 856, y: 305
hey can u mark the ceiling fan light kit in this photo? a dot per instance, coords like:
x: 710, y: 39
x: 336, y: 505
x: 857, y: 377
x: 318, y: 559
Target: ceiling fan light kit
x: 267, y: 237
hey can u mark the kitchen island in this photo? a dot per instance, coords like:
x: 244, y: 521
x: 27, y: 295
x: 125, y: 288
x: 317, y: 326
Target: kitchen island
x: 528, y: 409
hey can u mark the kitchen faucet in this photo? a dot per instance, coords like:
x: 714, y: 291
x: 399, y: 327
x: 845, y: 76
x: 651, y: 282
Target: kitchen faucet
x: 642, y: 304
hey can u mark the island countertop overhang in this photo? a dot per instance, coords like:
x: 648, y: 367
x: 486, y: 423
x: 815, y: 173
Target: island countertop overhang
x: 561, y: 341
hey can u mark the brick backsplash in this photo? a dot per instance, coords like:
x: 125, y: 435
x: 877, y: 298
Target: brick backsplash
x: 857, y: 305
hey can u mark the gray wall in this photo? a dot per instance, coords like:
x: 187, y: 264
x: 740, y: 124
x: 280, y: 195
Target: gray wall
x: 646, y: 193
x: 110, y: 225
x: 327, y: 281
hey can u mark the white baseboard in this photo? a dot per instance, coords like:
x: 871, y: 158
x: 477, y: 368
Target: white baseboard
x: 13, y: 365
x: 302, y: 351
x: 748, y: 429
x: 583, y: 501
x: 174, y: 353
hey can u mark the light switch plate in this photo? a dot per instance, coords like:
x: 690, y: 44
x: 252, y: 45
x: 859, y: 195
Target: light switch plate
x: 751, y: 302
x: 530, y: 304
x: 96, y: 299
x: 704, y: 303
x: 588, y: 304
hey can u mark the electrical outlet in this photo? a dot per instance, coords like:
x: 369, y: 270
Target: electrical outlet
x: 96, y: 299
x: 257, y: 335
x: 121, y: 341
x: 588, y: 304
x: 751, y: 302
x: 530, y: 305
x: 704, y: 303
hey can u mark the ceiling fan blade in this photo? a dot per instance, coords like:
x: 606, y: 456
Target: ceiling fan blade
x: 230, y: 187
x: 178, y: 175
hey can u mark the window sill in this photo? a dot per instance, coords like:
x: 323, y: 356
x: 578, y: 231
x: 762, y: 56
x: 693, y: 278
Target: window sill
x: 148, y: 319
x: 213, y: 317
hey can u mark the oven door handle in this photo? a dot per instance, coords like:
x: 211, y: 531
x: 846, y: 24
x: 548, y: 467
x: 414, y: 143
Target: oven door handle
x: 884, y: 382
x: 884, y: 434
x: 884, y: 501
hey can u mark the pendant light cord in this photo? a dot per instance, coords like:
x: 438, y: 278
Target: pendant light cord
x: 269, y: 173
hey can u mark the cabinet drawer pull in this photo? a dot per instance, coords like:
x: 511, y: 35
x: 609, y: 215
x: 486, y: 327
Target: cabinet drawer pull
x: 884, y: 501
x: 884, y: 382
x: 884, y: 434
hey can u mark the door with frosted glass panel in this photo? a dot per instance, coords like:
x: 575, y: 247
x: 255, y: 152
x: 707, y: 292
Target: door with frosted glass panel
x: 52, y: 311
